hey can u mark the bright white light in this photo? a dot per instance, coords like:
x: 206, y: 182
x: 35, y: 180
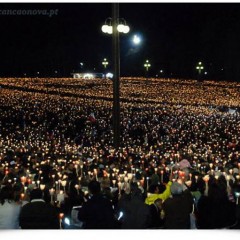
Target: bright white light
x: 120, y: 27
x: 109, y: 75
x: 67, y: 221
x: 126, y: 29
x: 105, y: 28
x: 120, y: 215
x: 110, y: 30
x: 136, y: 39
x: 205, y: 73
x: 88, y: 75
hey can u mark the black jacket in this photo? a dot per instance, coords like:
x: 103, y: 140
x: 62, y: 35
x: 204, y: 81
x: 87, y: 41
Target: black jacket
x: 177, y: 211
x: 215, y: 214
x: 39, y: 215
x: 97, y: 213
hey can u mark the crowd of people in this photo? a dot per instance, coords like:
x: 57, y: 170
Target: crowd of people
x: 178, y: 166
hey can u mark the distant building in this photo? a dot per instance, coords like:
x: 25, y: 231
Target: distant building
x: 88, y: 75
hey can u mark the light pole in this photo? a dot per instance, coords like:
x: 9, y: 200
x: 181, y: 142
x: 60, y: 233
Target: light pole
x: 114, y: 26
x: 147, y: 65
x: 199, y: 67
x: 105, y: 63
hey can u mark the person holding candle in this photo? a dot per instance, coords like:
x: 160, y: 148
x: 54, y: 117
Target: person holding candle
x: 158, y: 191
x: 9, y: 209
x: 38, y: 214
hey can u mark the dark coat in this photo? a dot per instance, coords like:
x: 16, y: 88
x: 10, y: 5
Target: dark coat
x: 136, y: 214
x: 97, y: 213
x: 156, y: 221
x: 215, y: 214
x: 39, y: 215
x: 177, y: 211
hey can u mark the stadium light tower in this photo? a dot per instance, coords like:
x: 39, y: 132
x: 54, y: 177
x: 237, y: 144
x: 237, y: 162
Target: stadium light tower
x: 115, y: 26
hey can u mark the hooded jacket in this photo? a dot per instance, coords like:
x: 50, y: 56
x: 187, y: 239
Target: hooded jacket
x: 153, y: 196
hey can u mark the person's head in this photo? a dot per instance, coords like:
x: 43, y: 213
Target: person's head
x: 36, y: 194
x: 135, y: 190
x: 153, y: 188
x: 94, y: 187
x: 6, y: 194
x: 217, y: 193
x: 176, y: 188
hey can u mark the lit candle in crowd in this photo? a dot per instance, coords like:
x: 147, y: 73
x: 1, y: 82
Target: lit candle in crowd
x: 38, y: 183
x: 64, y: 183
x: 147, y: 182
x: 161, y: 176
x: 119, y: 187
x: 77, y: 188
x: 61, y: 215
x: 51, y: 191
x: 196, y: 178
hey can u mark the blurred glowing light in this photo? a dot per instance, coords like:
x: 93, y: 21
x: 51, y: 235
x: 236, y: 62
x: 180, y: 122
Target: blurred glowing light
x: 109, y: 75
x: 136, y: 39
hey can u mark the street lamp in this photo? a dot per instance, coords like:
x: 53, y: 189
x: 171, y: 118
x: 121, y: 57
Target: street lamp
x: 147, y: 65
x: 115, y: 26
x: 105, y: 63
x: 121, y: 26
x: 199, y: 67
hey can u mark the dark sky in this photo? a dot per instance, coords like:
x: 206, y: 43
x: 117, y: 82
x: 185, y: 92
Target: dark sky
x: 175, y: 37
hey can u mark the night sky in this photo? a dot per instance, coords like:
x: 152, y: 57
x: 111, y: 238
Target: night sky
x: 175, y: 36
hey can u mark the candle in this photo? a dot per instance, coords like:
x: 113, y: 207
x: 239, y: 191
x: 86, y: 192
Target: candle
x: 38, y: 183
x: 22, y: 196
x: 237, y: 194
x: 61, y: 215
x: 206, y: 178
x: 81, y: 170
x: 95, y: 173
x: 196, y: 177
x: 114, y: 182
x: 161, y: 176
x: 119, y: 187
x: 51, y: 191
x: 64, y: 183
x: 76, y: 166
x: 77, y: 187
x: 147, y: 182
